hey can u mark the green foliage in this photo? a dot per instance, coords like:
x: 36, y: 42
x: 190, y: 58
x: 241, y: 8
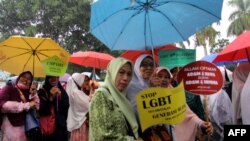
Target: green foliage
x: 208, y: 33
x: 218, y: 46
x: 65, y: 21
x: 240, y: 17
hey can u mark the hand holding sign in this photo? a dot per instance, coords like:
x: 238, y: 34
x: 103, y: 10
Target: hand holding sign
x: 161, y: 106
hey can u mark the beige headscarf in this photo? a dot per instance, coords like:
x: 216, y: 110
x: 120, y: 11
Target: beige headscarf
x: 245, y: 106
x: 120, y: 97
x: 239, y: 77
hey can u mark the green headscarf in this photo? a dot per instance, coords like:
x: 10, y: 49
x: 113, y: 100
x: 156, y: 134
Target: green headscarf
x: 120, y: 97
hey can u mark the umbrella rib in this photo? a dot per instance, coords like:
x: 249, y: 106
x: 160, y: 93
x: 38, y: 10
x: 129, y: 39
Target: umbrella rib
x: 41, y: 43
x: 127, y: 8
x: 14, y: 56
x: 34, y: 64
x: 41, y: 54
x: 48, y: 49
x: 202, y: 9
x: 27, y: 63
x: 162, y: 3
x: 16, y: 47
x: 234, y: 55
x: 154, y: 9
x: 30, y: 45
x: 145, y: 28
x: 248, y: 57
x: 125, y: 25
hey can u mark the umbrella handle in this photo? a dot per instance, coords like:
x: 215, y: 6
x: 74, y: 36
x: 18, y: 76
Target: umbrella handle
x: 57, y: 101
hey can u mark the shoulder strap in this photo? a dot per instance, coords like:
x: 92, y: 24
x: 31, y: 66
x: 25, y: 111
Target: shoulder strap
x: 21, y: 95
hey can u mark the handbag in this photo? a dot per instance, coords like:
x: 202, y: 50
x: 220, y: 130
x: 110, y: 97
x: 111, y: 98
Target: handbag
x: 47, y: 123
x: 32, y: 125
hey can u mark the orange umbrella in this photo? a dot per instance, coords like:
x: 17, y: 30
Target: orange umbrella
x: 134, y: 54
x: 91, y: 59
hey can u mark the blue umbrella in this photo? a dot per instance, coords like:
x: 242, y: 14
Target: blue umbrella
x: 145, y: 24
x: 211, y: 57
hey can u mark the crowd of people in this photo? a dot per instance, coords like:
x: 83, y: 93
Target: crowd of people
x: 83, y: 112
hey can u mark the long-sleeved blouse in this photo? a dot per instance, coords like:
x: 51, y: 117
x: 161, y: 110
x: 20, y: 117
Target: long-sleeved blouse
x: 107, y: 121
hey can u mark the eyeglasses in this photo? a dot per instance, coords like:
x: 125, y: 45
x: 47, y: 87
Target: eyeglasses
x: 147, y: 64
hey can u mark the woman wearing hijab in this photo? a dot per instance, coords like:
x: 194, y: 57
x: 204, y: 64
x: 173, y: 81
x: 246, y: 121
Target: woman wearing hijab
x: 79, y: 101
x: 186, y: 130
x: 14, y: 103
x: 53, y: 97
x: 111, y: 115
x: 220, y: 109
x: 239, y: 78
x: 240, y: 92
x: 245, y: 96
x: 143, y: 69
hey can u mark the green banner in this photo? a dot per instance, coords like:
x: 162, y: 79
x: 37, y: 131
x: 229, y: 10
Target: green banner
x: 54, y: 66
x: 176, y: 57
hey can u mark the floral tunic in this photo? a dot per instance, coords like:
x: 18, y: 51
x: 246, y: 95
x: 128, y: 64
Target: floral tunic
x: 107, y: 122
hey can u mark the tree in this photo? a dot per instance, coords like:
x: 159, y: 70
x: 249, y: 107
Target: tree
x: 218, y: 46
x: 65, y: 21
x: 240, y: 17
x: 204, y: 38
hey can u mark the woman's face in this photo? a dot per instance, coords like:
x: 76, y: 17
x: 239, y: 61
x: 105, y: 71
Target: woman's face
x: 147, y: 67
x: 53, y: 80
x: 85, y: 84
x: 123, y: 77
x: 164, y: 76
x: 25, y: 79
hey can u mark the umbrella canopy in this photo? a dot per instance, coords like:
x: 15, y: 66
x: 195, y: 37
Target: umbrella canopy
x: 20, y: 53
x: 144, y: 24
x: 134, y: 54
x: 237, y: 50
x: 91, y: 59
x: 210, y: 58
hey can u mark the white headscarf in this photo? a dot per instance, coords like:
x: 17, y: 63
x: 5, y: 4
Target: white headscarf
x: 239, y: 77
x: 137, y: 83
x: 245, y: 106
x: 79, y: 102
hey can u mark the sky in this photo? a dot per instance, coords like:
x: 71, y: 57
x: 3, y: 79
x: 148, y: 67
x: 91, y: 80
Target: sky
x: 224, y: 23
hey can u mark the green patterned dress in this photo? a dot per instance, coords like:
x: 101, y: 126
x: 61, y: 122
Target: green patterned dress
x: 107, y: 122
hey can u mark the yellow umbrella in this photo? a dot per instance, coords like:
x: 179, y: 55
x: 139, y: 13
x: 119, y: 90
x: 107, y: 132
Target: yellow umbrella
x: 20, y: 53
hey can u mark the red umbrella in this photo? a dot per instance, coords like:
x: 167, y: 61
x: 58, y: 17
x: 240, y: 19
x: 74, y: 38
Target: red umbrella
x: 237, y: 50
x: 134, y: 54
x: 91, y: 59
